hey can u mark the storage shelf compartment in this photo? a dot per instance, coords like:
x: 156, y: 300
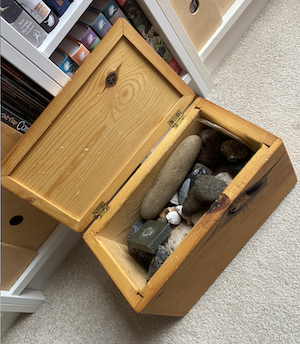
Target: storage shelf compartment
x: 65, y: 24
x: 16, y: 49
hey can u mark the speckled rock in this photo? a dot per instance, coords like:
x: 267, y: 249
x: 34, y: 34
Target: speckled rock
x: 205, y: 191
x: 234, y: 150
x: 210, y: 154
x: 189, y: 182
x: 170, y: 177
x: 161, y: 256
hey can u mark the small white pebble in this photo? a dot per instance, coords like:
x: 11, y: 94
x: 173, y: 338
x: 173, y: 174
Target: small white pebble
x: 173, y: 218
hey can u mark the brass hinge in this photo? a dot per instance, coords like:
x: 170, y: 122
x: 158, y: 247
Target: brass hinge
x: 176, y: 119
x: 100, y: 211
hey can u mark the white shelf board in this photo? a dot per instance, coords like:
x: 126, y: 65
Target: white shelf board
x: 236, y: 21
x: 28, y: 52
x: 28, y: 68
x: 161, y: 15
x: 65, y: 24
x: 27, y: 302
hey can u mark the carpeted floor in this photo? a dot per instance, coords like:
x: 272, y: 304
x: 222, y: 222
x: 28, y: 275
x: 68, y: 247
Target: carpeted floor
x: 257, y: 298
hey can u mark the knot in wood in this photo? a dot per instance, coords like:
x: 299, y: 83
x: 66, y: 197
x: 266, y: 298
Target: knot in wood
x: 111, y: 79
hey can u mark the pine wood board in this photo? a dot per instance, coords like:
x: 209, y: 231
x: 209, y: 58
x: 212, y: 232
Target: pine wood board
x: 9, y: 137
x: 64, y: 165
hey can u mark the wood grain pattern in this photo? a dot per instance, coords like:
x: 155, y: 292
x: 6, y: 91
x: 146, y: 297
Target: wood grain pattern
x: 9, y: 137
x: 79, y: 154
x: 216, y: 238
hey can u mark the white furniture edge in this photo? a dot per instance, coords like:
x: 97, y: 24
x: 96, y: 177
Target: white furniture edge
x: 26, y: 49
x: 203, y: 83
x: 27, y: 302
x: 235, y: 23
x: 65, y: 24
x: 44, y: 253
x: 28, y: 68
x: 26, y: 295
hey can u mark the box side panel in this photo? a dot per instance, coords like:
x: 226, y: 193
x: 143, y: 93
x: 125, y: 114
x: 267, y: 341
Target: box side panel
x: 247, y: 132
x: 14, y: 260
x: 236, y: 222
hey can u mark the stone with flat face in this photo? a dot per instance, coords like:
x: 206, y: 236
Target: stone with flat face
x: 150, y: 236
x: 171, y: 177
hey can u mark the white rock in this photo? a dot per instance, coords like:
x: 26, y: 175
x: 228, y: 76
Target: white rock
x: 170, y: 215
x: 185, y: 217
x: 225, y: 177
x: 174, y: 199
x: 173, y: 218
x: 176, y: 236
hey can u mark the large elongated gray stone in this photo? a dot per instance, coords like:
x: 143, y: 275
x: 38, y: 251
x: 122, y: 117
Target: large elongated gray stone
x: 171, y: 176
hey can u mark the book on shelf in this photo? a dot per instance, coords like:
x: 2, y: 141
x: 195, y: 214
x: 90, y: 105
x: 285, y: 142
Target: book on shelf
x: 59, y: 6
x: 141, y: 23
x: 14, y: 121
x: 21, y: 21
x: 41, y: 13
x: 74, y: 49
x: 109, y: 8
x: 13, y: 73
x: 97, y: 21
x: 33, y: 98
x: 18, y: 109
x: 64, y: 62
x: 19, y: 96
x: 22, y: 100
x: 84, y: 34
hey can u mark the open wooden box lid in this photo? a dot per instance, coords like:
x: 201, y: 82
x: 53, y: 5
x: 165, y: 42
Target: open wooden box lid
x: 97, y: 130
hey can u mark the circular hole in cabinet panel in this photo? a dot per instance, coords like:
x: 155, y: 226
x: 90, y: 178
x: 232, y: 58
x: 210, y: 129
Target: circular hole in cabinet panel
x: 16, y: 220
x: 194, y: 6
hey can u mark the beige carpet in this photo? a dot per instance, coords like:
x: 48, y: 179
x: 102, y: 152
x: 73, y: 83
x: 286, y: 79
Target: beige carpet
x: 257, y: 298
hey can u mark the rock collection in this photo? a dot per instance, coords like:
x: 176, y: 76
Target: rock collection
x: 194, y: 176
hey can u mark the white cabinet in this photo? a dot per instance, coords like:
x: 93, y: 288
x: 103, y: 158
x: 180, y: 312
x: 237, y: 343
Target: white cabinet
x: 197, y: 67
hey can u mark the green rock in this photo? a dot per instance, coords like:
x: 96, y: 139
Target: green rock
x: 150, y: 236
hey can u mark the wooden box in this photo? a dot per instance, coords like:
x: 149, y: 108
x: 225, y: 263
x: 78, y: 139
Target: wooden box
x: 86, y: 161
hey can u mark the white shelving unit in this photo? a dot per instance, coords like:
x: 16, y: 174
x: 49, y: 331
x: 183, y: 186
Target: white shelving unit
x: 197, y: 67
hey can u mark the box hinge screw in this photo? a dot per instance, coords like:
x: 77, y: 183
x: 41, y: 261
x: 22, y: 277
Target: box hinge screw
x: 101, y: 210
x: 176, y: 119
